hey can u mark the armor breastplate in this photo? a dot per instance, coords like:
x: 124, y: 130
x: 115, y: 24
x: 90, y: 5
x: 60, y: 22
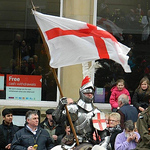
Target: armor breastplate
x: 83, y: 124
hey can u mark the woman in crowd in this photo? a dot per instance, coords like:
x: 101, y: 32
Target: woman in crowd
x: 141, y: 95
x: 114, y: 127
x: 116, y: 91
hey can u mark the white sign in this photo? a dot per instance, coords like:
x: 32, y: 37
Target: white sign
x: 1, y: 82
x: 19, y: 120
x: 23, y: 87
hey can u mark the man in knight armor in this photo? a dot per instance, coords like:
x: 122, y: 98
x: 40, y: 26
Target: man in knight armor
x: 81, y: 113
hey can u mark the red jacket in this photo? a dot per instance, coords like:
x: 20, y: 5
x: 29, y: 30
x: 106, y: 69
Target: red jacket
x: 115, y: 93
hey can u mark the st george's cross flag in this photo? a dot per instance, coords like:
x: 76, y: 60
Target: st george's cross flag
x: 73, y: 42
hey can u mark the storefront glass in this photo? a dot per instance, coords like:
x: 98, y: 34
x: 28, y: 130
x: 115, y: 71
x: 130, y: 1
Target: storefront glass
x: 128, y: 21
x: 22, y: 51
x: 21, y: 47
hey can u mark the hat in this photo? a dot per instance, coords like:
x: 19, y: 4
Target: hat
x: 50, y: 111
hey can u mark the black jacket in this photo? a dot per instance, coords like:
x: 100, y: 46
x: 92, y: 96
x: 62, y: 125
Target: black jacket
x: 8, y: 131
x: 113, y: 133
x: 25, y: 138
x: 140, y: 99
x: 2, y: 140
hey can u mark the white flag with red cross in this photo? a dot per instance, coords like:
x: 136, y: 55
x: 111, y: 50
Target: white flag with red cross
x: 99, y: 121
x: 73, y: 42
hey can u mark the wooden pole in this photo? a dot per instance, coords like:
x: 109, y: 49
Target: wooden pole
x: 67, y: 112
x: 56, y: 79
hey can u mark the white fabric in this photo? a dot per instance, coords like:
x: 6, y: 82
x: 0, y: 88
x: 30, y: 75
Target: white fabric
x: 58, y: 147
x: 97, y: 147
x: 70, y: 49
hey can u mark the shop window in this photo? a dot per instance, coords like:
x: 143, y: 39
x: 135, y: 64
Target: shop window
x: 128, y: 22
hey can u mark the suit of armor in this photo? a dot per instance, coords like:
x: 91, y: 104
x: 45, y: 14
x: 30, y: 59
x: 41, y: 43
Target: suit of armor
x: 83, y: 120
x: 81, y: 113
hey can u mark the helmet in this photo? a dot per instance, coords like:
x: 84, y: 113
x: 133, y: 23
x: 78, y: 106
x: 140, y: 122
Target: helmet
x: 86, y: 87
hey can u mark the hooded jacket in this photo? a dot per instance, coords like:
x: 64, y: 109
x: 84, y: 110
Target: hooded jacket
x: 115, y: 93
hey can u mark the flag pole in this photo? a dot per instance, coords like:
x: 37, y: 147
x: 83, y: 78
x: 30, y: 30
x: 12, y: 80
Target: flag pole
x: 57, y: 82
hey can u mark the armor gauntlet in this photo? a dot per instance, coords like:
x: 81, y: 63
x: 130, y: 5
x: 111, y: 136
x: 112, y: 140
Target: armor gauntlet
x: 57, y: 114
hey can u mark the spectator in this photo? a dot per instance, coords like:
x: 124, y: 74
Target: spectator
x: 55, y: 131
x: 2, y: 140
x: 32, y: 135
x: 140, y: 98
x: 126, y: 111
x: 114, y: 127
x: 24, y: 50
x: 107, y: 119
x: 143, y: 124
x: 128, y: 139
x: 24, y: 67
x: 8, y: 128
x: 16, y: 45
x: 139, y: 10
x: 36, y: 61
x: 146, y: 26
x: 116, y: 91
x: 31, y: 65
x: 68, y: 141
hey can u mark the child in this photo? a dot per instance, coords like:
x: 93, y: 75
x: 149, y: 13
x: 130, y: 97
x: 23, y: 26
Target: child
x: 116, y: 91
x: 142, y: 95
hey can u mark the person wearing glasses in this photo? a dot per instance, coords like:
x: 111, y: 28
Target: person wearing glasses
x: 114, y: 127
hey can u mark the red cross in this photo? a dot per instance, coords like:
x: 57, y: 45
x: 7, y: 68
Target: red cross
x: 99, y: 121
x: 90, y: 31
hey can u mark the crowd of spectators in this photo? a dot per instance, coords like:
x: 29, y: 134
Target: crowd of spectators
x: 48, y: 135
x: 130, y: 27
x: 120, y: 125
